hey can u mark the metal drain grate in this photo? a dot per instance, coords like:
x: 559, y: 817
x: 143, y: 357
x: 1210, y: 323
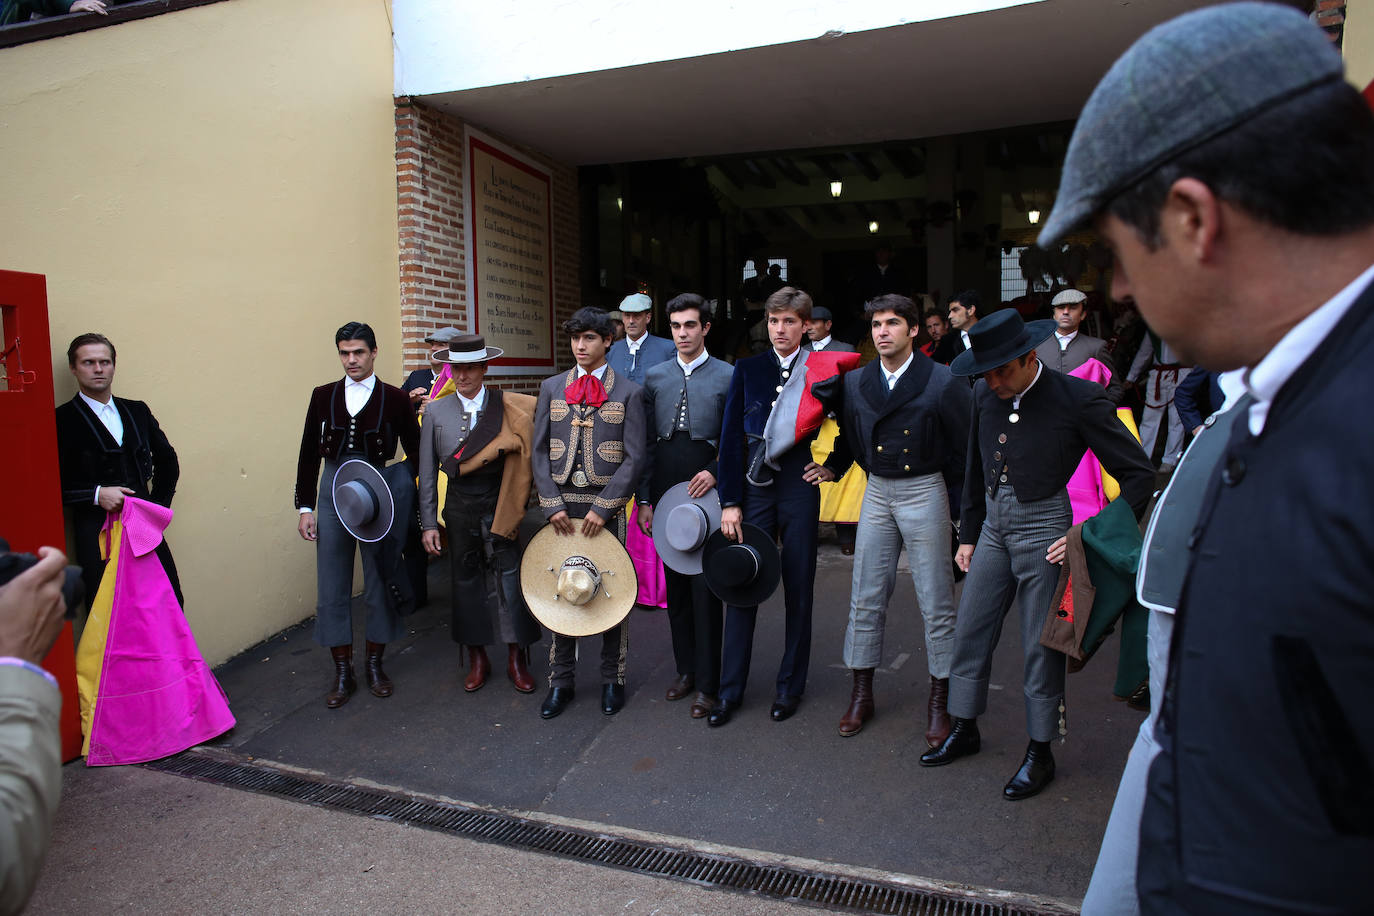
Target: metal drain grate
x: 831, y: 890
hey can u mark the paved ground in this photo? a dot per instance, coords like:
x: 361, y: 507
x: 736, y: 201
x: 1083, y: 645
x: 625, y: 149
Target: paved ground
x: 795, y: 788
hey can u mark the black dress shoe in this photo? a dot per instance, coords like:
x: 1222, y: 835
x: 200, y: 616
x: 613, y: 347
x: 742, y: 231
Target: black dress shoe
x: 721, y: 713
x: 557, y: 701
x: 1037, y: 771
x: 783, y: 708
x: 963, y: 740
x: 612, y: 698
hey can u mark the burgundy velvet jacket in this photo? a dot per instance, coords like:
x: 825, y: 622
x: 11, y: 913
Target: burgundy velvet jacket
x: 386, y: 418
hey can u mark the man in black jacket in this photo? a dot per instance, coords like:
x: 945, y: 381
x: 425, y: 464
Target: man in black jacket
x: 1030, y: 429
x: 905, y: 421
x: 1261, y: 798
x: 109, y: 448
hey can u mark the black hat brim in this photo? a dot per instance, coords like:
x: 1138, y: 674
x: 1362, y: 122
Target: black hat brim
x: 763, y: 585
x: 971, y: 362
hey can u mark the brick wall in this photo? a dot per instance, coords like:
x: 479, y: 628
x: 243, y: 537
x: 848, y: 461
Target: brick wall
x: 433, y: 238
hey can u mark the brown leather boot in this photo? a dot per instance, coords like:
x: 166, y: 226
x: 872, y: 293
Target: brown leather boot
x: 344, y: 683
x: 377, y: 681
x: 938, y: 729
x: 518, y: 668
x: 479, y: 666
x: 860, y: 703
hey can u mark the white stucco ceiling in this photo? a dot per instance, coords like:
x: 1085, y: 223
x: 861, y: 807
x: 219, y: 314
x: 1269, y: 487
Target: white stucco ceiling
x: 1026, y: 64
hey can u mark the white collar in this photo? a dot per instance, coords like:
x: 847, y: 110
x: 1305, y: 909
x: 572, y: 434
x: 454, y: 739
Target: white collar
x: 95, y: 405
x: 475, y: 404
x: 1267, y: 377
x: 689, y: 368
x: 599, y: 372
x: 634, y: 345
x: 1039, y: 368
x: 787, y: 361
x: 369, y: 383
x: 1065, y: 339
x: 896, y: 374
x: 822, y: 343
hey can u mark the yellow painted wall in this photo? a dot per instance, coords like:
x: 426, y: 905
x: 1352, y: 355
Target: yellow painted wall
x: 1357, y: 43
x: 214, y: 189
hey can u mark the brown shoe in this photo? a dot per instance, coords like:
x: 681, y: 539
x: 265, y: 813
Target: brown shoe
x: 702, y: 704
x: 518, y: 668
x: 478, y: 669
x: 377, y: 681
x: 860, y: 703
x: 681, y: 687
x: 938, y: 730
x: 344, y: 683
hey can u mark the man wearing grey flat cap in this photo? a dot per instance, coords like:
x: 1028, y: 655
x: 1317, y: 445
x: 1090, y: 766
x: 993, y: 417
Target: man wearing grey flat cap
x: 419, y: 385
x: 818, y: 336
x: 1068, y: 347
x: 1230, y: 168
x: 638, y: 351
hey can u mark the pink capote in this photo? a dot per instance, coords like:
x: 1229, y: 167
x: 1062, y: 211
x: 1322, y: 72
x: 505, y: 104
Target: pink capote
x: 155, y: 695
x: 653, y: 588
x: 1086, y: 492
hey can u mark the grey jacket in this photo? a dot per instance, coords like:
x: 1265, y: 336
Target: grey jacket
x: 30, y: 779
x: 586, y: 458
x: 1081, y: 349
x: 706, y: 391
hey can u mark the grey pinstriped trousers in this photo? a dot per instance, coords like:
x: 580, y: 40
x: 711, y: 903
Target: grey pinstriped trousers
x: 1009, y: 563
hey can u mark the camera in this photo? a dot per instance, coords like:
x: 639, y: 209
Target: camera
x: 12, y: 564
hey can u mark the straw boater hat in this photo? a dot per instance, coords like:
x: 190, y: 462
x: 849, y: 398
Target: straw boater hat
x: 997, y: 340
x: 363, y: 501
x: 468, y: 348
x: 577, y: 585
x: 682, y: 525
x: 742, y: 574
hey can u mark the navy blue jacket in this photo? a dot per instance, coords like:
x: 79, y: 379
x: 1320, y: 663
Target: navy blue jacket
x: 753, y: 388
x: 1262, y: 796
x: 652, y: 351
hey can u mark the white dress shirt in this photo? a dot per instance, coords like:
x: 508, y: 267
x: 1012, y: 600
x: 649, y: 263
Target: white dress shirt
x: 471, y: 407
x: 634, y: 345
x: 822, y: 343
x: 599, y: 372
x: 893, y: 377
x: 357, y: 393
x: 1065, y: 339
x: 1268, y: 376
x: 967, y: 344
x: 688, y: 368
x: 1016, y: 400
x: 108, y: 414
x: 787, y: 361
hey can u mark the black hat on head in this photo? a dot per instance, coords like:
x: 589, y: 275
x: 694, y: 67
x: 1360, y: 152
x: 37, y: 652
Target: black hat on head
x: 997, y: 340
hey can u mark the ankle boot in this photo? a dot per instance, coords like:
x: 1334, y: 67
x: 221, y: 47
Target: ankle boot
x: 478, y: 668
x: 1035, y: 773
x: 860, y: 703
x: 963, y: 740
x: 518, y: 669
x: 344, y: 683
x: 377, y: 681
x: 938, y: 728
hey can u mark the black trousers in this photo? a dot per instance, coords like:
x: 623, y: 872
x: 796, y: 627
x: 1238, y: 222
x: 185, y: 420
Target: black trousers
x: 789, y: 510
x: 87, y: 522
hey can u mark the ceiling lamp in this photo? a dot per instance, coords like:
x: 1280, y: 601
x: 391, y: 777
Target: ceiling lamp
x: 873, y: 227
x: 1033, y: 216
x: 835, y: 188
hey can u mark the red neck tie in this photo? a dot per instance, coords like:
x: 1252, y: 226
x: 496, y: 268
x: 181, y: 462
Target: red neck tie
x: 586, y: 390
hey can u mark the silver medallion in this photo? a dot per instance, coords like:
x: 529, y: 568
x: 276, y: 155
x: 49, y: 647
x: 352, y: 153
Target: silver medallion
x: 1014, y: 418
x: 579, y: 478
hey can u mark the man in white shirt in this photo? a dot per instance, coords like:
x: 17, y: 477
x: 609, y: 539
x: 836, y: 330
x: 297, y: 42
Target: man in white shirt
x: 364, y: 418
x: 109, y: 448
x: 1068, y: 348
x: 638, y: 351
x: 818, y: 333
x: 1259, y: 799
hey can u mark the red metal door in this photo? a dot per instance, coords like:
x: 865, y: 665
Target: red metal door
x: 32, y: 513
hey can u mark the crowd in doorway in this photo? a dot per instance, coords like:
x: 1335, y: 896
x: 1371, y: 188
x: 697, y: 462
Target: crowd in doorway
x: 16, y: 11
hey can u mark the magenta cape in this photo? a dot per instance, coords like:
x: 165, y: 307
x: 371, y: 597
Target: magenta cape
x: 145, y: 690
x: 1091, y: 488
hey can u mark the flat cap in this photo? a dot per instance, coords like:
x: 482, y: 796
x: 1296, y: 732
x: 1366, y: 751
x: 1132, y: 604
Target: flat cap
x: 1068, y: 297
x: 1183, y: 83
x: 821, y: 313
x: 443, y: 335
x: 636, y: 302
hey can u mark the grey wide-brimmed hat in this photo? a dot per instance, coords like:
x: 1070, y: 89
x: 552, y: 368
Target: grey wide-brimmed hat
x: 1183, y: 83
x: 998, y: 339
x: 443, y: 335
x: 681, y: 526
x: 363, y: 501
x: 468, y: 348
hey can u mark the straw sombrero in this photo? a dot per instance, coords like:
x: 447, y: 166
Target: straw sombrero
x: 577, y: 585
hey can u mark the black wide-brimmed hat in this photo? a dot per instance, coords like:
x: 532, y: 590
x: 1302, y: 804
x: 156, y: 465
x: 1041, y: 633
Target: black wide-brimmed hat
x: 742, y: 574
x: 363, y: 501
x: 682, y: 525
x: 997, y: 340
